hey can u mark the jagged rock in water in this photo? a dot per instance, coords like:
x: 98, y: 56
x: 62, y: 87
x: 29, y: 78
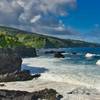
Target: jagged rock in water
x: 10, y: 63
x: 25, y: 75
x: 24, y: 51
x: 74, y: 53
x: 59, y: 55
x: 2, y: 85
x: 53, y: 52
x: 84, y: 91
x: 46, y: 94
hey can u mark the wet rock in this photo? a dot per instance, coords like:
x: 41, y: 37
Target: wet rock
x: 49, y: 52
x: 2, y: 85
x: 20, y: 76
x: 59, y: 55
x: 36, y: 76
x: 53, y: 51
x: 10, y: 66
x: 84, y: 91
x: 14, y: 95
x: 46, y: 94
x: 25, y: 75
x: 74, y: 53
x: 10, y: 63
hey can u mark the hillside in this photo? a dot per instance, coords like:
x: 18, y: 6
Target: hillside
x: 11, y: 37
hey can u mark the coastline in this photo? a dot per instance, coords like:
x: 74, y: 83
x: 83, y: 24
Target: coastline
x: 61, y: 87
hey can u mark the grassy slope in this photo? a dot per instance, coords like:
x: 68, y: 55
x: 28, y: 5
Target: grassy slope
x: 10, y: 37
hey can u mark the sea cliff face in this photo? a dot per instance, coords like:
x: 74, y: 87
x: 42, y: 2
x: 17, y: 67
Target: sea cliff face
x: 24, y: 51
x: 10, y: 63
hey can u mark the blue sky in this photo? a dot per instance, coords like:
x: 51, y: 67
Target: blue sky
x: 74, y: 19
x: 85, y: 16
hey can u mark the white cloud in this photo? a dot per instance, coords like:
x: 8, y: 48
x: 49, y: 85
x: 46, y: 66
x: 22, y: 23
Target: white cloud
x: 35, y: 13
x: 35, y: 19
x: 46, y: 6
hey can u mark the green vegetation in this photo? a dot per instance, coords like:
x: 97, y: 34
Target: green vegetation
x: 10, y: 37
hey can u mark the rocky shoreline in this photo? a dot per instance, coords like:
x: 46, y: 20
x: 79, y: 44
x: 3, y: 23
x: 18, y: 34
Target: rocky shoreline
x: 46, y: 94
x: 10, y: 71
x: 12, y: 89
x: 11, y: 61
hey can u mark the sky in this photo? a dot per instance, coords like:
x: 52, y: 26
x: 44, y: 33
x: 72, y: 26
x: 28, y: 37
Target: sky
x: 69, y: 19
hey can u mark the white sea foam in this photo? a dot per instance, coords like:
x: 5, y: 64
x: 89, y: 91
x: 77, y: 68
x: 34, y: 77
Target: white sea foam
x: 62, y: 72
x: 98, y: 62
x: 61, y: 76
x: 90, y: 55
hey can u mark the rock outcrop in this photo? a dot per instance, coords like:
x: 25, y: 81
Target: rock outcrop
x: 9, y: 63
x: 59, y: 55
x: 84, y: 91
x: 24, y: 51
x: 46, y: 94
x: 24, y: 76
x: 53, y: 51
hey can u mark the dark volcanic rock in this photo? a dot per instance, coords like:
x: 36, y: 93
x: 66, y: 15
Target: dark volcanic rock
x: 19, y: 76
x: 53, y: 51
x: 84, y: 91
x: 74, y: 53
x: 25, y: 75
x: 47, y: 94
x: 9, y: 64
x: 49, y: 52
x: 9, y: 61
x: 59, y: 55
x: 2, y: 85
x: 15, y: 95
x: 25, y: 51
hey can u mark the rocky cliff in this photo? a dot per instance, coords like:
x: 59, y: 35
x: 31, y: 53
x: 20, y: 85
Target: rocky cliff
x: 24, y: 51
x: 10, y: 63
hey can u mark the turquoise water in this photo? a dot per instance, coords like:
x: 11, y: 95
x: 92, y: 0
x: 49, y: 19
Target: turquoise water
x: 75, y: 69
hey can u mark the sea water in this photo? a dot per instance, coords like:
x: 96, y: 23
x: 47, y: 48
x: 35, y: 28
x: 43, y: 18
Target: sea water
x: 74, y: 68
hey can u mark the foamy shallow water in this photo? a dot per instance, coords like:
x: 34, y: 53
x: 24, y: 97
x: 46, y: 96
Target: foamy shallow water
x: 59, y: 74
x: 63, y: 76
x: 59, y: 70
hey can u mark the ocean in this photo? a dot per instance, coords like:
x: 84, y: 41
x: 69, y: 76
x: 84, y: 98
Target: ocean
x: 74, y: 68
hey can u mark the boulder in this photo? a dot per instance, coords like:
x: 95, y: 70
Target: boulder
x: 25, y: 75
x: 74, y: 53
x: 10, y: 63
x: 53, y: 51
x: 2, y: 85
x: 46, y: 94
x: 49, y: 52
x: 59, y: 55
